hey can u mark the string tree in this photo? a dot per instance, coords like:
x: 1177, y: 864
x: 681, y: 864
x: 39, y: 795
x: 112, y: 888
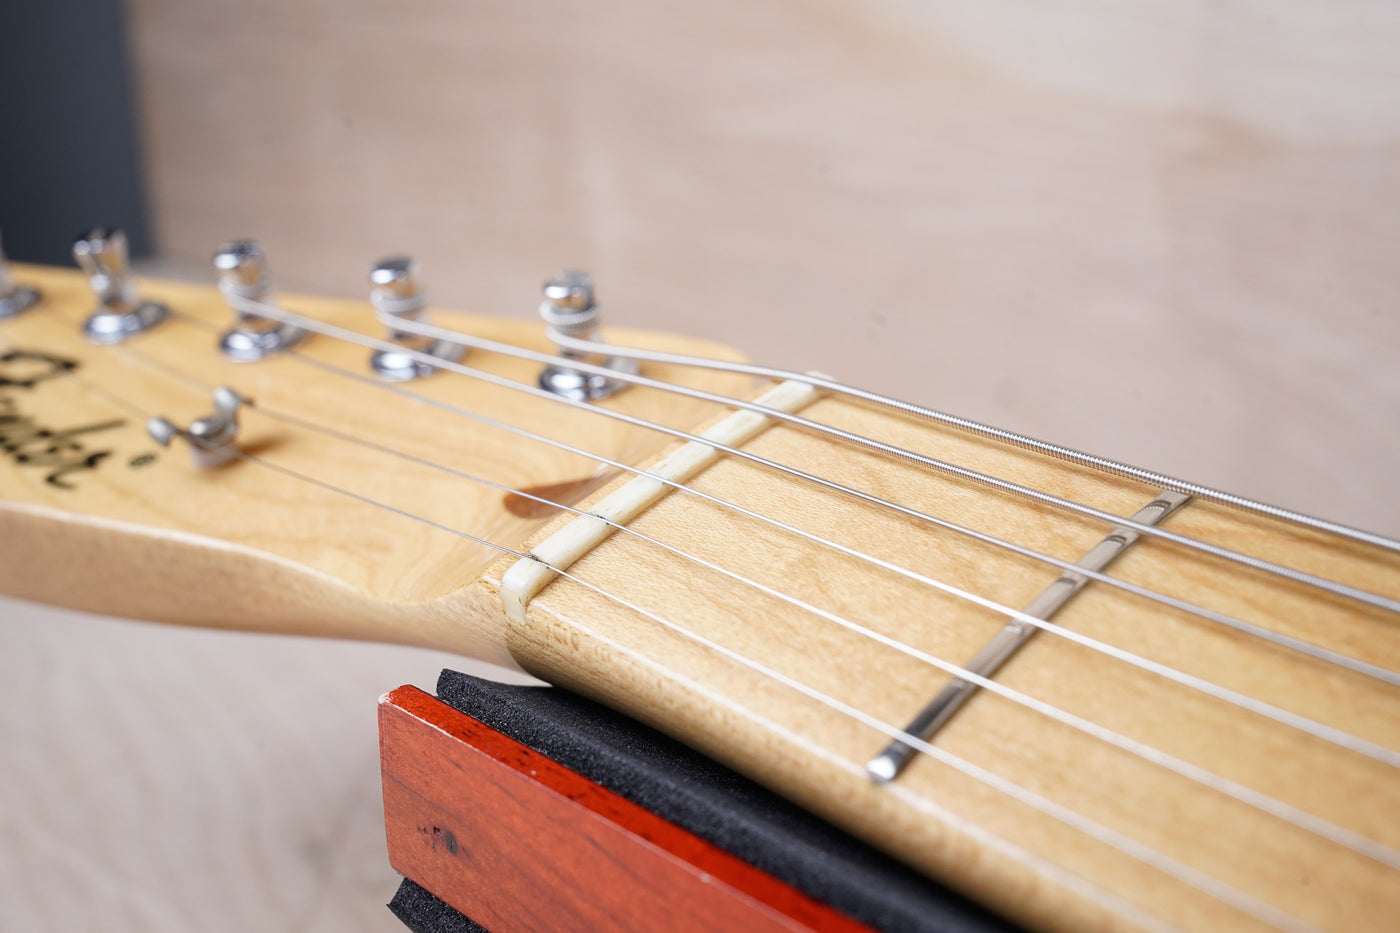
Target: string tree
x: 121, y: 314
x: 570, y: 309
x: 14, y: 298
x: 396, y: 294
x: 211, y: 438
x: 244, y: 281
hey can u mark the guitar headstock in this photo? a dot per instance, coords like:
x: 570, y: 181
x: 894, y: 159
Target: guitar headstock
x: 337, y: 499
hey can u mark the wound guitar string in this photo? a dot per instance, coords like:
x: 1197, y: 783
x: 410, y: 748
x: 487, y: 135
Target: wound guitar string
x: 881, y: 727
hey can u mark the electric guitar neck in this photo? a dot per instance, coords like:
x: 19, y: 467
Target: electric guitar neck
x: 1089, y: 696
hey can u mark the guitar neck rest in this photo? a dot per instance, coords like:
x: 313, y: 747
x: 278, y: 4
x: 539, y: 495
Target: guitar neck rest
x: 703, y: 798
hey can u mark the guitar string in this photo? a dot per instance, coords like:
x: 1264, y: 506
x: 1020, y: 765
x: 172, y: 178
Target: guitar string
x: 1114, y: 521
x: 1299, y: 818
x: 1314, y: 728
x: 1316, y: 651
x: 1319, y: 730
x: 1201, y: 881
x: 926, y: 806
x: 1084, y: 887
x: 273, y: 312
x: 1127, y: 471
x: 1295, y: 816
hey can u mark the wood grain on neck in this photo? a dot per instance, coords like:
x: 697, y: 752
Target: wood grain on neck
x: 937, y: 818
x: 142, y: 532
x: 246, y: 547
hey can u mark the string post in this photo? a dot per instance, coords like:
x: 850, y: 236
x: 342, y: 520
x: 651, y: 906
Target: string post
x: 13, y: 298
x: 210, y: 438
x: 397, y: 295
x: 569, y: 310
x: 244, y: 281
x: 120, y: 314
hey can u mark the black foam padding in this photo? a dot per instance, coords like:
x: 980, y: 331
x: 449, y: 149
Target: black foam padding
x: 717, y: 805
x: 421, y: 912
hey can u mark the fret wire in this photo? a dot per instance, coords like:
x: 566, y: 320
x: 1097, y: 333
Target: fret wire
x: 441, y: 333
x: 1201, y: 881
x: 1295, y: 816
x: 1319, y: 730
x: 1295, y: 644
x: 1150, y: 477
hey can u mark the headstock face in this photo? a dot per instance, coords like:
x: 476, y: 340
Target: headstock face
x: 76, y: 449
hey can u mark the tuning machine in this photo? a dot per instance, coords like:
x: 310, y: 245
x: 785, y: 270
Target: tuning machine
x: 396, y: 293
x: 243, y: 279
x: 569, y: 309
x: 121, y: 314
x: 13, y: 298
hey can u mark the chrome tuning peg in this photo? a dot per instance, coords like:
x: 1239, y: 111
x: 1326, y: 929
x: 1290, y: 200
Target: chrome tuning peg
x: 211, y: 437
x: 243, y: 279
x: 395, y: 293
x: 120, y: 314
x: 569, y: 309
x: 13, y: 298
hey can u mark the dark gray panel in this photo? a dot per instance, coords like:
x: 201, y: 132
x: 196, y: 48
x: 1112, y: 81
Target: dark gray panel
x: 69, y: 157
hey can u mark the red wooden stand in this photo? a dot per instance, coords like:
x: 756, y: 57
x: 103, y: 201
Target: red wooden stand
x: 520, y: 843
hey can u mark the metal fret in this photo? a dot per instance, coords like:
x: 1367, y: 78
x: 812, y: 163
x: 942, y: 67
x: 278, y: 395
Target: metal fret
x: 1005, y: 643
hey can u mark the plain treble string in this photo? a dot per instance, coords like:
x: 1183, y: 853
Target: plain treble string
x: 1152, y: 478
x: 923, y: 804
x: 1297, y: 817
x: 440, y: 333
x: 1268, y: 711
x: 1263, y: 802
x: 1201, y: 881
x: 1327, y: 733
x: 1327, y: 655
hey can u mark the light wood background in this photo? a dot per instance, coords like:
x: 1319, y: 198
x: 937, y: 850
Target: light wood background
x: 1162, y: 231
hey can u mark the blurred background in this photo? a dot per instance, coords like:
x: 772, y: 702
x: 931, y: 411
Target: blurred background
x: 1160, y: 231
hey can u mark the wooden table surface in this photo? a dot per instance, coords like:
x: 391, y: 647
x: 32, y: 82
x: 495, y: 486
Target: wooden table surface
x: 1164, y: 232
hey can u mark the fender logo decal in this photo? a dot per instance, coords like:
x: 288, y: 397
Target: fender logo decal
x: 61, y: 452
